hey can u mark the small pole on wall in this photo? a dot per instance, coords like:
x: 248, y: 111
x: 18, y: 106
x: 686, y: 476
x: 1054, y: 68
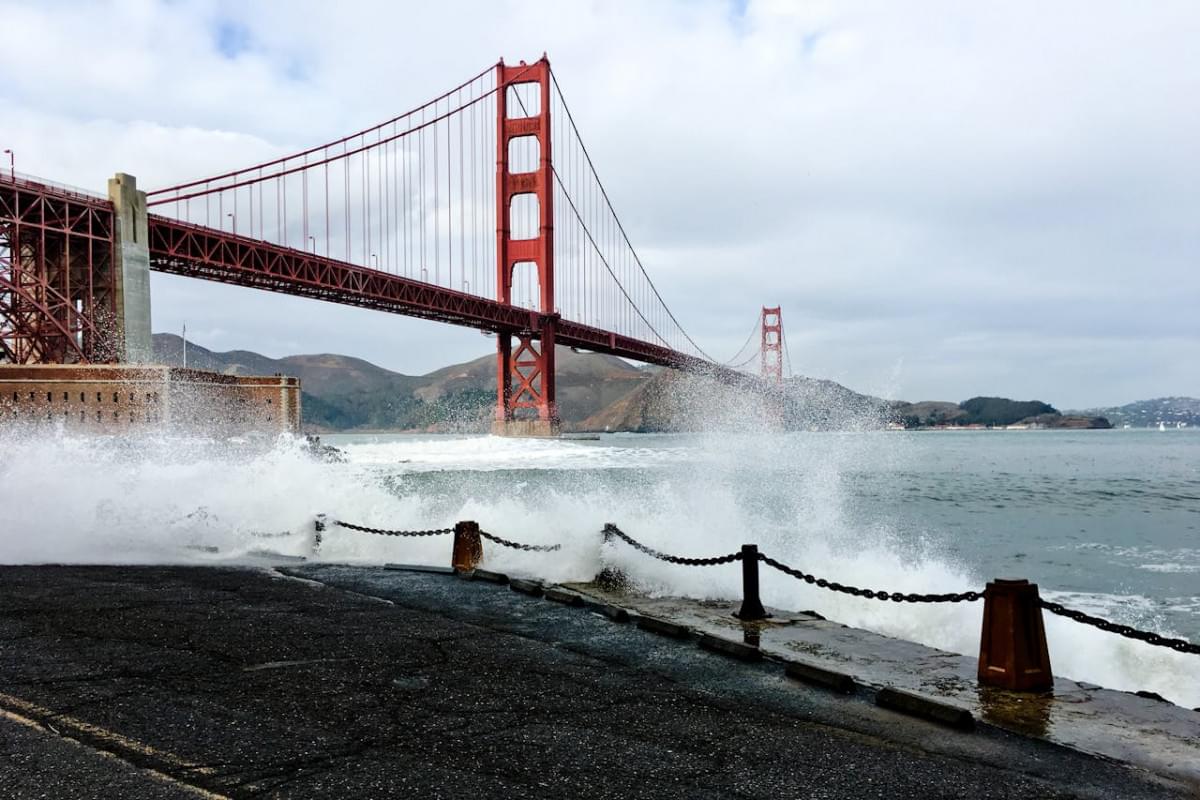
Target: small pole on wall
x: 752, y: 607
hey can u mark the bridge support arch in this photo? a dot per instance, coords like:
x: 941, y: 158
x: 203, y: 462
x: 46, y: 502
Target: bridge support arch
x: 525, y: 394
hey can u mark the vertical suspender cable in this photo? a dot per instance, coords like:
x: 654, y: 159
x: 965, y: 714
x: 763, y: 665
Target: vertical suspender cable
x: 462, y: 203
x: 325, y: 155
x: 438, y: 196
x: 474, y: 208
x: 419, y: 268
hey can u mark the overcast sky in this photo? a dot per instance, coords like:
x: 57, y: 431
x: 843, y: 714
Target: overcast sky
x: 947, y: 199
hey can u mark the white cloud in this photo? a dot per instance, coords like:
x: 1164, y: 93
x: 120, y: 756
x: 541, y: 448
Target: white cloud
x: 1002, y: 197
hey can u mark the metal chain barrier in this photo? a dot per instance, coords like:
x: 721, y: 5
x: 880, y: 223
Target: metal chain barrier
x: 691, y: 562
x: 1179, y: 645
x: 871, y: 594
x: 384, y: 532
x: 537, y: 548
x: 610, y: 530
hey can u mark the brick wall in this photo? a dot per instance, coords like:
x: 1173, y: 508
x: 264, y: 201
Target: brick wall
x: 117, y: 399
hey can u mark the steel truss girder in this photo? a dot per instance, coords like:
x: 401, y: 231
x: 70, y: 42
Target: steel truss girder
x: 22, y: 335
x: 195, y: 251
x: 55, y: 272
x: 198, y: 252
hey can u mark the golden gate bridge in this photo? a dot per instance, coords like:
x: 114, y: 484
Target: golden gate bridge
x: 480, y: 208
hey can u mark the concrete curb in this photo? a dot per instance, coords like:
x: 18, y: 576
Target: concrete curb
x: 615, y: 613
x: 663, y: 628
x: 728, y: 647
x: 419, y: 568
x: 925, y: 707
x: 819, y: 676
x: 489, y: 576
x: 531, y: 588
x: 557, y: 595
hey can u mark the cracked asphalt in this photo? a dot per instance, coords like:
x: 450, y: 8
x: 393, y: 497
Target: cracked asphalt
x: 333, y: 681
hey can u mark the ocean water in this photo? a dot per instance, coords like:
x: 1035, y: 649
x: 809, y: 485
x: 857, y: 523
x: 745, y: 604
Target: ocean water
x: 1104, y: 521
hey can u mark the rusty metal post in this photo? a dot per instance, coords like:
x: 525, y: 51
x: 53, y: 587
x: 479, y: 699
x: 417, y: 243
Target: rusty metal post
x: 1012, y: 647
x: 752, y: 607
x: 609, y: 577
x: 318, y: 533
x: 468, y: 548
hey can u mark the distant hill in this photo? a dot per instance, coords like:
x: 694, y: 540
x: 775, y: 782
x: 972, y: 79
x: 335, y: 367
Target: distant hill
x: 1002, y: 411
x: 595, y: 393
x: 601, y: 392
x: 343, y: 393
x: 1148, y: 413
x: 991, y: 412
x: 929, y: 413
x: 675, y: 402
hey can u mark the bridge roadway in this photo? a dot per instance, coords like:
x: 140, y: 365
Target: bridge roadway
x: 196, y: 251
x: 361, y: 682
x: 54, y: 213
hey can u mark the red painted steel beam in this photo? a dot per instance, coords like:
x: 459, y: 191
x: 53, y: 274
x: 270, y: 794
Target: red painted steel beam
x: 55, y: 272
x: 199, y: 252
x: 772, y: 344
x: 516, y: 385
x: 586, y: 337
x: 195, y: 251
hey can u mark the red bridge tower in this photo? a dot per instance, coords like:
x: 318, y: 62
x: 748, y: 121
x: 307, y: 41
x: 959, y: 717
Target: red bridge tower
x: 525, y: 400
x: 772, y: 344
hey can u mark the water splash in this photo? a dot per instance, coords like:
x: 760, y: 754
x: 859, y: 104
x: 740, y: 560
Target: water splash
x: 163, y: 500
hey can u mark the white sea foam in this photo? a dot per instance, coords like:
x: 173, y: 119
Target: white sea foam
x: 1174, y: 568
x: 490, y: 453
x: 77, y: 500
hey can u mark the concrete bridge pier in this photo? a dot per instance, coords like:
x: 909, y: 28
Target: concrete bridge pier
x: 131, y: 268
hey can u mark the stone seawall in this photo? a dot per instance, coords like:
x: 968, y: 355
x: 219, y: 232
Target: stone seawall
x: 120, y: 399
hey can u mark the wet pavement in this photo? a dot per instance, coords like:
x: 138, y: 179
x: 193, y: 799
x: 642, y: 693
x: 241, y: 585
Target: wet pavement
x: 333, y: 681
x: 1157, y: 735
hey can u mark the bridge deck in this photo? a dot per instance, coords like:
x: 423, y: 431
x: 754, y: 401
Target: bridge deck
x: 199, y: 252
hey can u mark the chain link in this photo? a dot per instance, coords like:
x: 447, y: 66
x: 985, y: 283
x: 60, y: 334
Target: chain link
x: 1179, y: 645
x: 691, y: 562
x: 871, y: 594
x: 383, y: 532
x: 610, y: 530
x: 537, y: 548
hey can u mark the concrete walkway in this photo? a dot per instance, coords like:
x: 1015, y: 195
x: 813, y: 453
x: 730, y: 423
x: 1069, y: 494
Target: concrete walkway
x: 239, y: 683
x: 1160, y: 736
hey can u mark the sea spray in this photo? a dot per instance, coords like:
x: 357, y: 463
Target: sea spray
x: 167, y: 500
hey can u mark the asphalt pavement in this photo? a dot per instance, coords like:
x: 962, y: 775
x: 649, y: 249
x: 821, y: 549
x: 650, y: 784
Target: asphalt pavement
x: 329, y: 681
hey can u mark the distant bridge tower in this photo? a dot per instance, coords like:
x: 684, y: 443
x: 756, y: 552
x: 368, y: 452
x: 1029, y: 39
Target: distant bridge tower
x: 772, y: 345
x: 525, y: 398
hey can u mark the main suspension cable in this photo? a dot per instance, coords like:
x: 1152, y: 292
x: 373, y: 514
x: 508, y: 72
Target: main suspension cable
x: 621, y: 227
